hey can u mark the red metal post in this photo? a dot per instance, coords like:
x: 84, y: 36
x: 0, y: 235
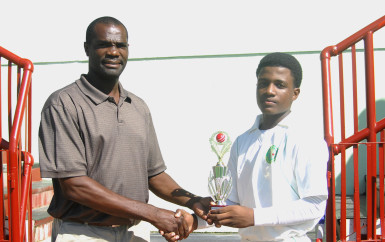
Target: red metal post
x: 371, y: 122
x: 2, y: 215
x: 343, y: 151
x: 381, y: 156
x: 331, y: 225
x: 356, y: 195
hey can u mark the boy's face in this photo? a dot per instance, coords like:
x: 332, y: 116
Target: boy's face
x: 275, y: 90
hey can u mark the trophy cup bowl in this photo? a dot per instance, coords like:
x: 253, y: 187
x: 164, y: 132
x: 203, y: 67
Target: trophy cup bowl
x: 219, y: 185
x: 220, y: 180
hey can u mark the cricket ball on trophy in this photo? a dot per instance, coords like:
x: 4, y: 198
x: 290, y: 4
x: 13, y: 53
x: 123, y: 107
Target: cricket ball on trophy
x: 221, y: 137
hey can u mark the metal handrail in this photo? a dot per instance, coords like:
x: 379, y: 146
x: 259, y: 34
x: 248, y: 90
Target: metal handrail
x: 19, y: 181
x: 368, y: 133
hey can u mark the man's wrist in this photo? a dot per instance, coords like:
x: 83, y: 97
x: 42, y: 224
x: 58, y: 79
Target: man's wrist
x: 192, y: 201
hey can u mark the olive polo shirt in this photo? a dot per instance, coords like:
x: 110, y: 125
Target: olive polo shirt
x: 83, y: 132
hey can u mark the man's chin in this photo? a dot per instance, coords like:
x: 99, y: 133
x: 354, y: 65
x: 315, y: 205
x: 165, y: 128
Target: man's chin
x: 112, y: 73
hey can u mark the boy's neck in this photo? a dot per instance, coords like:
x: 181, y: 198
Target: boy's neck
x: 270, y: 121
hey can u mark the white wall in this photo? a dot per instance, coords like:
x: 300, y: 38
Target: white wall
x: 193, y: 97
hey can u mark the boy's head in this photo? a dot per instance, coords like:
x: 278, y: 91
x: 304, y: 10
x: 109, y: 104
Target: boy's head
x: 279, y: 77
x: 284, y: 60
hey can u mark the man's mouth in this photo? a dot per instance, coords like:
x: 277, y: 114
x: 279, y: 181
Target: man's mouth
x: 112, y: 64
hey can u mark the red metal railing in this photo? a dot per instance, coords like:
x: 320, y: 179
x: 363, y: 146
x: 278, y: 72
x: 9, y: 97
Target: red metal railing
x: 16, y: 201
x: 365, y: 204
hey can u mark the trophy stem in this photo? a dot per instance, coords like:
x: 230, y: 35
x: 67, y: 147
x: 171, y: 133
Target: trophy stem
x: 215, y: 207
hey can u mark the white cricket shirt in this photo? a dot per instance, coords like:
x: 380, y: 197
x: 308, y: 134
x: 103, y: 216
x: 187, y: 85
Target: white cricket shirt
x: 272, y: 169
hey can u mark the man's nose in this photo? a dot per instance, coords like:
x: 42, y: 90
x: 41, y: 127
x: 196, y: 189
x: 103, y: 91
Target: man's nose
x: 113, y: 50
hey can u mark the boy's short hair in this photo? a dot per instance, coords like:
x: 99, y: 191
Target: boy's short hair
x: 284, y: 60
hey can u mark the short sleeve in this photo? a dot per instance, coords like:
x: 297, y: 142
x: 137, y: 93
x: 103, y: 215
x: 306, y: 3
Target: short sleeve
x: 155, y: 160
x: 61, y: 150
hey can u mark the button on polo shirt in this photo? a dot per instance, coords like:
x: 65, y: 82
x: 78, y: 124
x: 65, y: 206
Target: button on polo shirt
x: 83, y: 132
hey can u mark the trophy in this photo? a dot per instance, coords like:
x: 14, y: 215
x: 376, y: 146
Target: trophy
x: 220, y: 177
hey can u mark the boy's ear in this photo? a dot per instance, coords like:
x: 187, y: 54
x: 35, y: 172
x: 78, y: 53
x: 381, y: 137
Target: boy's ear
x: 296, y: 92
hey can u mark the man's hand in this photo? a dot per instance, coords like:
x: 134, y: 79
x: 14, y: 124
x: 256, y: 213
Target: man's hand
x: 233, y: 216
x: 201, y: 207
x: 192, y: 225
x: 180, y: 226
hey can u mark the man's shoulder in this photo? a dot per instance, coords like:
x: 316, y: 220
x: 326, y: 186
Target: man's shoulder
x: 137, y: 101
x: 135, y: 97
x: 62, y: 95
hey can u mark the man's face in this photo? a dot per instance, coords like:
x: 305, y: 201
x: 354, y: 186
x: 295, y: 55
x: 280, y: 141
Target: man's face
x: 275, y: 90
x: 108, y: 50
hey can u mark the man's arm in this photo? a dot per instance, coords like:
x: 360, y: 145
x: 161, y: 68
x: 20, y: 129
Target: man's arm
x: 166, y: 188
x: 90, y: 193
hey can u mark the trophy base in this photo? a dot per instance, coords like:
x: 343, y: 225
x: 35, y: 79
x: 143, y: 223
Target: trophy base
x: 215, y: 207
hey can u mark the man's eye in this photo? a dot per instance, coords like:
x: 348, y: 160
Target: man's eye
x: 122, y: 45
x: 102, y: 45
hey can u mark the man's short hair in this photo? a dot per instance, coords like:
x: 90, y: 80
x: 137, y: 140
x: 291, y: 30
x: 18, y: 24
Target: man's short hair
x: 90, y: 34
x: 284, y: 60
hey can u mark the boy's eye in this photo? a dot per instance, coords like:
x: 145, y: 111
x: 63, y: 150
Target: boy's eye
x: 261, y: 84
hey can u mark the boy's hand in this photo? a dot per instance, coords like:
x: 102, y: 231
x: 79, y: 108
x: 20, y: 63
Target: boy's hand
x: 233, y: 216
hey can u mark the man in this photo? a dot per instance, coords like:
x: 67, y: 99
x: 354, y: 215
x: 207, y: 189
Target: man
x: 98, y: 144
x: 278, y: 168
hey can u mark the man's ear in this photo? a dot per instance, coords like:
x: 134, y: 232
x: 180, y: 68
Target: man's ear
x: 296, y: 92
x: 86, y: 48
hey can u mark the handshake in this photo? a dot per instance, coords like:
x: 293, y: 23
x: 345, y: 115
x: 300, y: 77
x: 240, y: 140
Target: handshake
x: 233, y: 216
x: 186, y: 222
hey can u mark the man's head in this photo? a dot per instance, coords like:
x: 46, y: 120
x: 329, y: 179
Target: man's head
x: 106, y: 47
x: 279, y: 77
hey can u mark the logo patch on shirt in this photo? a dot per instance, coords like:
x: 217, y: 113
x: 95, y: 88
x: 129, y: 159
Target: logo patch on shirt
x: 271, y: 154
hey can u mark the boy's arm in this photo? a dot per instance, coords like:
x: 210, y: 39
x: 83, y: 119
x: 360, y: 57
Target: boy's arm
x: 287, y: 214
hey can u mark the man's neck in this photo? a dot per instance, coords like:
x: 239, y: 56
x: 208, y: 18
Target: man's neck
x: 108, y: 87
x: 270, y: 121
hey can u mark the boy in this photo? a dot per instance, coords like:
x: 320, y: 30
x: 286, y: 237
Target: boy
x: 278, y: 168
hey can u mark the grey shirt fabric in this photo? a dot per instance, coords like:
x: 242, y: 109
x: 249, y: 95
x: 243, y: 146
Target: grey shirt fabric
x: 83, y: 132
